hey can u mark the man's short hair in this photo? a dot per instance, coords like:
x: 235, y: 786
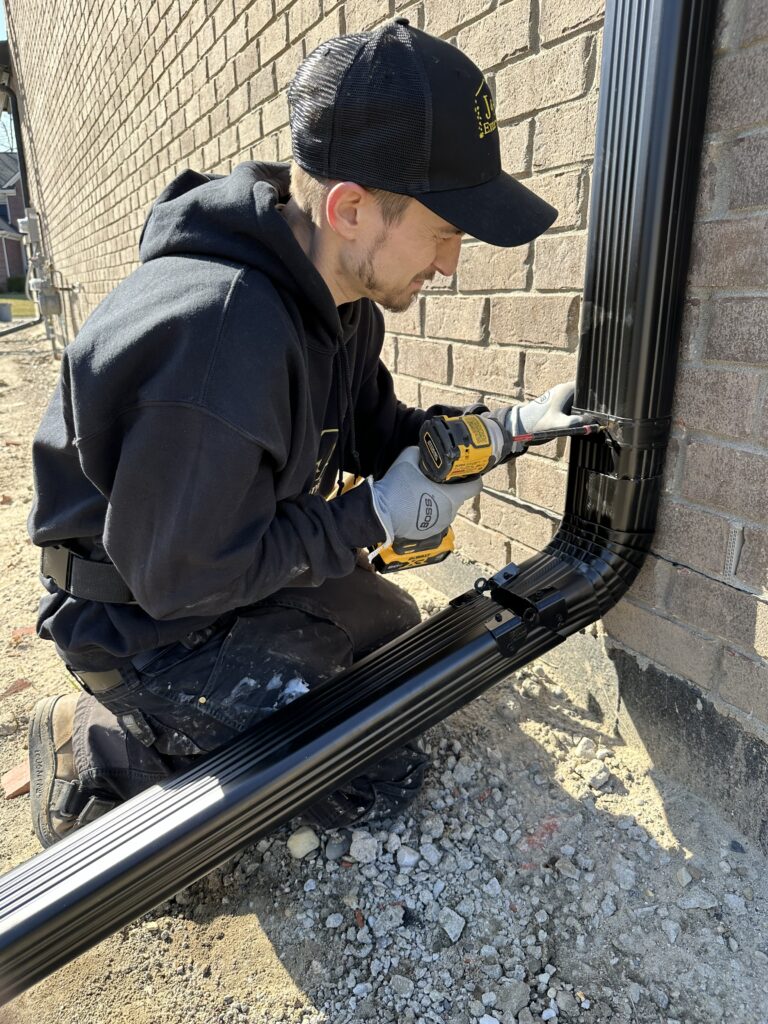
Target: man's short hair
x: 310, y: 193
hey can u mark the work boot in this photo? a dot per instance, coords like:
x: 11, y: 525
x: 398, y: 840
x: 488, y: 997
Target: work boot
x: 59, y: 804
x: 383, y: 790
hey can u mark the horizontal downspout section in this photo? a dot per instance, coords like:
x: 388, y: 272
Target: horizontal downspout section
x: 652, y: 103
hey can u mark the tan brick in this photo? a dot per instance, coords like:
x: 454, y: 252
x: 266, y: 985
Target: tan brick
x: 755, y: 22
x: 719, y: 610
x: 745, y: 683
x: 429, y: 360
x: 497, y: 36
x: 302, y: 16
x: 274, y: 114
x: 739, y: 330
x: 363, y: 14
x: 560, y: 261
x: 329, y: 27
x: 442, y: 19
x: 502, y: 478
x: 684, y: 651
x: 514, y: 142
x: 407, y: 390
x: 533, y: 319
x: 691, y: 536
x: 407, y: 322
x: 486, y: 547
x: 491, y: 370
x: 753, y: 560
x: 728, y: 479
x: 273, y: 40
x: 716, y: 401
x: 540, y: 482
x: 249, y: 129
x: 565, y: 134
x: 435, y: 394
x: 548, y: 78
x: 565, y: 190
x: 652, y: 582
x: 730, y: 254
x: 545, y: 369
x: 388, y: 353
x: 459, y: 318
x: 558, y: 19
x: 485, y: 268
x: 738, y: 88
x: 285, y: 66
x: 749, y: 158
x: 531, y: 528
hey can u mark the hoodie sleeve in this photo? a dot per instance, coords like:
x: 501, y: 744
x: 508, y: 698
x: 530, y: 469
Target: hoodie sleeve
x: 212, y: 536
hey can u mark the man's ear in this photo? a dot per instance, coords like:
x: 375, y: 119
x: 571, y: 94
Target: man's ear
x: 343, y: 209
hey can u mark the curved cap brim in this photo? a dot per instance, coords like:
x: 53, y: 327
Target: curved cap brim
x: 501, y: 211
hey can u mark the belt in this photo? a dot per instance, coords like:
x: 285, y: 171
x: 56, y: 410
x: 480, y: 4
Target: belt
x: 80, y: 577
x: 97, y: 682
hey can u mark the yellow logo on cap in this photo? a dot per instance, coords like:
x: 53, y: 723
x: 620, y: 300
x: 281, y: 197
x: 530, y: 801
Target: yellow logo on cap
x: 485, y: 110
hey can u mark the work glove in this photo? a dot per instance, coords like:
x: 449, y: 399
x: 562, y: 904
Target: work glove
x: 410, y: 506
x: 551, y: 411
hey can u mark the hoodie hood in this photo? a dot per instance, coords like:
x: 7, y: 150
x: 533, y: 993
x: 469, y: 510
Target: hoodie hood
x: 235, y: 218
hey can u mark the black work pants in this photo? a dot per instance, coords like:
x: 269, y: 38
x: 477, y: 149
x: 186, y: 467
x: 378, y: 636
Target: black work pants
x: 187, y: 699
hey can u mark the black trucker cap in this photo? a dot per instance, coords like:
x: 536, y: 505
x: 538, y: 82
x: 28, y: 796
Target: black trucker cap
x: 401, y: 110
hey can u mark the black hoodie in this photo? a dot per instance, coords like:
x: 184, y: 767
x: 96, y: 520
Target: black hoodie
x: 202, y: 414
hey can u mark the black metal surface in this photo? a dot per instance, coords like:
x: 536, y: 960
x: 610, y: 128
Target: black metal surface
x: 653, y: 97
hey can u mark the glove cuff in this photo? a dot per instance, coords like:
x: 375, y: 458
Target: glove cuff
x: 382, y: 514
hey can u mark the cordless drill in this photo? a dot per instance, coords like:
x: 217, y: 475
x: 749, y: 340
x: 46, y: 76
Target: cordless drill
x: 455, y: 448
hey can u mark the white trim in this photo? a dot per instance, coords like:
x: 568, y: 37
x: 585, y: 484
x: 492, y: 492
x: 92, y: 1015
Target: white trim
x: 5, y: 254
x: 13, y: 180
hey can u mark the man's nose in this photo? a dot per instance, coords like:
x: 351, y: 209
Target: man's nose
x: 448, y: 256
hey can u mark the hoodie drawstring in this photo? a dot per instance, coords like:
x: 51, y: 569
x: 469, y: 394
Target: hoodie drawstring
x: 345, y: 414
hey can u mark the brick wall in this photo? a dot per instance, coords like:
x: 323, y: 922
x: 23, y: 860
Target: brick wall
x: 116, y: 101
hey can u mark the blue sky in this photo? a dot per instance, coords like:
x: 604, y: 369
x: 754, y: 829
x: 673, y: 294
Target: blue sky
x: 6, y: 126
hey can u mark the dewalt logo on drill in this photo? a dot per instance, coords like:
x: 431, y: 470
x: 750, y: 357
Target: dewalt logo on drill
x: 427, y: 516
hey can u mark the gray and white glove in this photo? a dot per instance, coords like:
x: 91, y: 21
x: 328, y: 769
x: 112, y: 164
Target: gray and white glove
x: 551, y: 411
x: 410, y: 506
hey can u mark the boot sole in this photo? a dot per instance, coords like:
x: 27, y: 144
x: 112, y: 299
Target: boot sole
x: 42, y: 769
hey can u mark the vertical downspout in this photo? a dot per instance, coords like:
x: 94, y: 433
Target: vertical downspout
x: 652, y: 104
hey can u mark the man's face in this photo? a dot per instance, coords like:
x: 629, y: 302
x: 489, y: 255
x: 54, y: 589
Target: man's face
x: 401, y: 257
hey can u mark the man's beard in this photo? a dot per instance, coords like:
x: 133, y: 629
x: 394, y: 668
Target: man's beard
x: 396, y: 301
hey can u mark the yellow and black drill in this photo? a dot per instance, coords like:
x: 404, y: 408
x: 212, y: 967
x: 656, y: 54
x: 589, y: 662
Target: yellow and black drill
x: 455, y: 448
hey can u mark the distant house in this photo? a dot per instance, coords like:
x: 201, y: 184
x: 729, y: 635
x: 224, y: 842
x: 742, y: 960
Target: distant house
x: 12, y: 257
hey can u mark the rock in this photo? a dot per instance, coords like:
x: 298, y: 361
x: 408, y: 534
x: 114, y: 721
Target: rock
x: 463, y: 773
x: 337, y: 845
x: 525, y: 1016
x: 671, y: 929
x: 406, y: 857
x: 634, y: 992
x: 624, y: 872
x: 451, y: 923
x: 431, y: 854
x: 512, y: 997
x: 736, y: 847
x: 658, y: 995
x: 567, y: 868
x: 401, y: 985
x: 334, y: 921
x: 567, y: 1003
x: 683, y: 876
x: 735, y: 903
x: 303, y: 841
x: 608, y: 906
x: 363, y: 848
x: 8, y: 725
x: 594, y: 773
x: 698, y: 899
x: 549, y: 1014
x: 432, y: 826
x: 585, y: 749
x: 388, y: 920
x: 488, y: 1019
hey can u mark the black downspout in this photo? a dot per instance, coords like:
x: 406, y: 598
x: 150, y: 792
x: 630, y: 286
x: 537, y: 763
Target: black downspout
x: 652, y: 105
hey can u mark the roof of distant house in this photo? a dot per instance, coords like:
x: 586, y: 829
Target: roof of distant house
x: 9, y: 167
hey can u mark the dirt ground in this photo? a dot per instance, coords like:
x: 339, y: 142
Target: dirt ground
x: 654, y: 907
